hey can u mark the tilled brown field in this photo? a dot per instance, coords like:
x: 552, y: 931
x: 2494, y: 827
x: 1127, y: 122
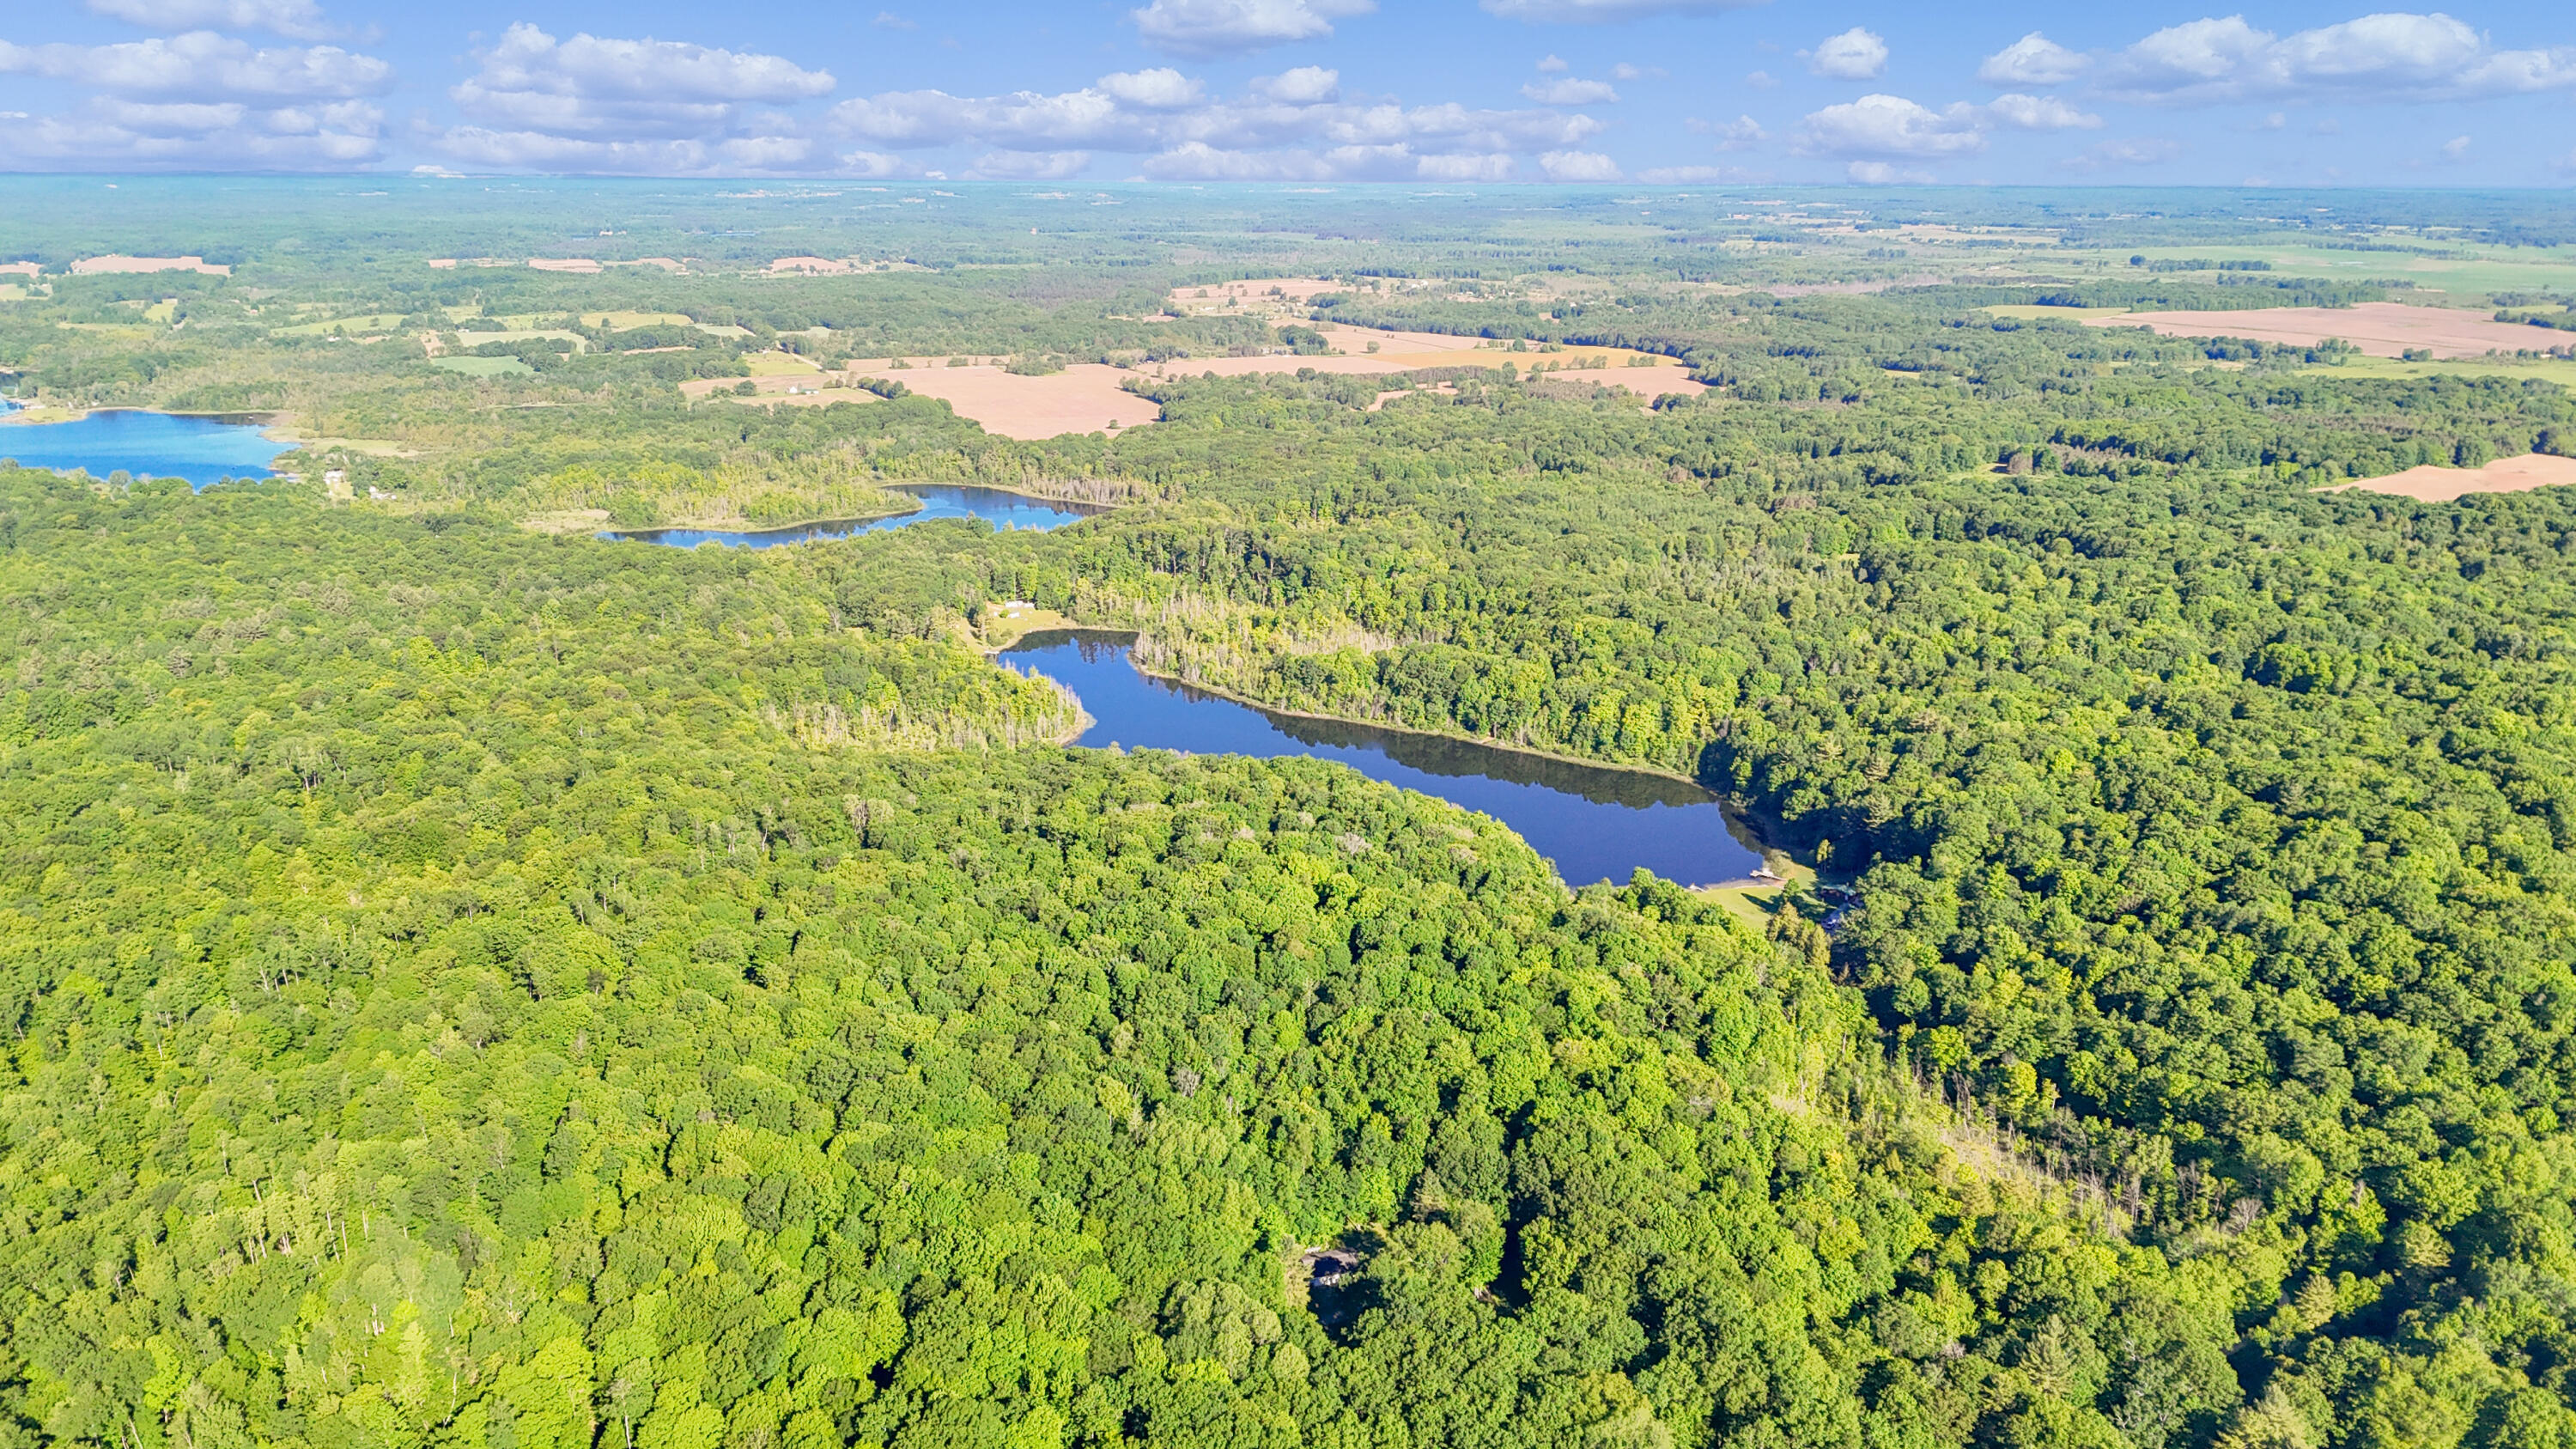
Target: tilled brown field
x: 2381, y: 329
x: 2443, y: 485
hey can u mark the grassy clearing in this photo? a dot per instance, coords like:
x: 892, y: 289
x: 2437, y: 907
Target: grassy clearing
x: 629, y: 321
x: 1004, y: 628
x: 778, y: 364
x: 2460, y: 277
x: 2542, y: 369
x: 1755, y: 905
x: 373, y: 322
x: 483, y: 366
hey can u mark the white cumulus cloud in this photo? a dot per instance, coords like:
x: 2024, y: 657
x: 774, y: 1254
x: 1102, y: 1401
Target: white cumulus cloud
x: 1291, y: 126
x: 645, y: 106
x: 1741, y: 134
x: 1856, y: 54
x: 1199, y: 161
x: 1307, y: 85
x: 1883, y: 173
x: 112, y: 131
x: 2038, y: 113
x: 2033, y: 60
x: 588, y: 67
x: 1229, y: 27
x: 202, y: 65
x: 295, y: 19
x: 1884, y: 126
x: 875, y: 165
x: 683, y: 156
x: 1578, y: 166
x: 201, y: 101
x: 1028, y: 165
x: 1159, y: 89
x: 1026, y: 120
x: 2394, y: 56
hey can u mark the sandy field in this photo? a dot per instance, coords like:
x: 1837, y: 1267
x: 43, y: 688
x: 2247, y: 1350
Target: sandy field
x: 2444, y: 485
x: 1355, y: 341
x: 1646, y: 382
x: 1403, y: 351
x: 100, y: 266
x: 1091, y: 398
x: 21, y: 269
x: 1084, y: 398
x: 813, y: 266
x: 583, y: 266
x: 2381, y: 329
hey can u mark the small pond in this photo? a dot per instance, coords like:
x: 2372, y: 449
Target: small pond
x: 199, y: 449
x: 994, y: 506
x: 1594, y: 823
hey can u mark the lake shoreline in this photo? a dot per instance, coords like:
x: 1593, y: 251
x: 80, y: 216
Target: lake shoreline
x: 743, y: 526
x: 1001, y: 508
x: 1729, y: 807
x: 17, y: 416
x: 199, y: 449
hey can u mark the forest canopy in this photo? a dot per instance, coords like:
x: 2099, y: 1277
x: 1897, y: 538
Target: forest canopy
x: 482, y: 986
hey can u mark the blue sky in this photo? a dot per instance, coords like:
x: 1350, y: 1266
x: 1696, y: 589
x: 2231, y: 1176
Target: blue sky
x: 1449, y: 91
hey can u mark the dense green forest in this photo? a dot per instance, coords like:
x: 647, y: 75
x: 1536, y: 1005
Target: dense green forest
x: 481, y: 988
x: 475, y: 1003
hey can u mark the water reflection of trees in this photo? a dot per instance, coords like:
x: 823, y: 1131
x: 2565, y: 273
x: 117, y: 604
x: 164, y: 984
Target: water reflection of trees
x: 1440, y: 755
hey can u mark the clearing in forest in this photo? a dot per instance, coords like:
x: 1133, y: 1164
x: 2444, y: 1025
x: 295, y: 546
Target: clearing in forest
x: 2443, y: 485
x: 122, y: 265
x: 1086, y: 397
x: 2381, y: 329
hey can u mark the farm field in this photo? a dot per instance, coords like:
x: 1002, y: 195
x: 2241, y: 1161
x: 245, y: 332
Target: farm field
x: 2460, y: 274
x: 2381, y: 329
x: 2503, y: 475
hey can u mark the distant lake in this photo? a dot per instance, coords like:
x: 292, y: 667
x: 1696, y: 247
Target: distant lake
x: 201, y: 450
x: 1593, y: 822
x: 993, y: 505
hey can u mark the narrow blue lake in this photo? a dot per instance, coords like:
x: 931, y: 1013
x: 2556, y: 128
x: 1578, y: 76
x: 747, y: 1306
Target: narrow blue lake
x: 201, y: 450
x: 1594, y: 823
x: 994, y: 506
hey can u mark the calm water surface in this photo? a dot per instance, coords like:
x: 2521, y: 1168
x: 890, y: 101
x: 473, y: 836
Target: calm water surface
x: 1002, y: 510
x: 1594, y: 823
x: 147, y: 445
